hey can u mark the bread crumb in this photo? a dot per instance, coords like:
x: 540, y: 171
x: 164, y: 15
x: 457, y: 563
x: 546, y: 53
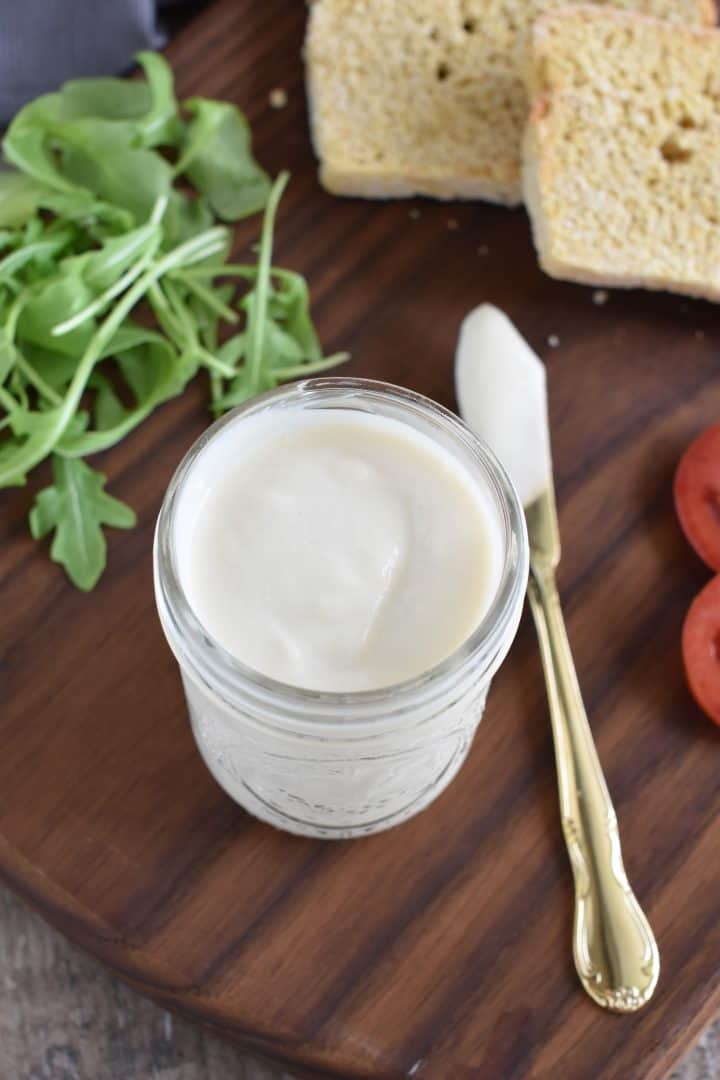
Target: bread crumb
x: 553, y: 341
x: 414, y: 213
x: 483, y: 250
x: 699, y: 335
x: 453, y: 224
x: 600, y: 297
x: 278, y: 98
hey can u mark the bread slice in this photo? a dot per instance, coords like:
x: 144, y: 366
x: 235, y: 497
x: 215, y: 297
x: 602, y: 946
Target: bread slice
x: 622, y: 151
x: 428, y: 96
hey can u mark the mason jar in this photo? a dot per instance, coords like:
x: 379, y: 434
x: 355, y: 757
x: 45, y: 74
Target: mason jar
x: 342, y: 764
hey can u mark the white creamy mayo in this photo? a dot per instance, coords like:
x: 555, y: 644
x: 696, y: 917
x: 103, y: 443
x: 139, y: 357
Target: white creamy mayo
x: 335, y: 550
x: 501, y: 392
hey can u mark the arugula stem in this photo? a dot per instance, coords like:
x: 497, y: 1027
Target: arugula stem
x: 310, y: 368
x: 8, y: 401
x: 257, y: 315
x: 158, y: 298
x: 216, y: 391
x: 214, y: 363
x: 165, y: 315
x: 102, y: 301
x: 36, y: 380
x: 244, y: 270
x: 135, y: 244
x: 18, y: 386
x: 16, y: 259
x: 206, y: 296
x: 180, y: 311
x: 188, y: 329
x: 14, y: 314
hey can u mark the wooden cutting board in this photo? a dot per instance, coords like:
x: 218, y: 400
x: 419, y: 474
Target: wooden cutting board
x: 440, y: 950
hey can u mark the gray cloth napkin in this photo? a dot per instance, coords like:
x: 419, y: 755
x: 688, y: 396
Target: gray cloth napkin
x: 45, y: 42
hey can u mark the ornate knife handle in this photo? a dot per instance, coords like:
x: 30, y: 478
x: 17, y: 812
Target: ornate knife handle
x: 615, y: 951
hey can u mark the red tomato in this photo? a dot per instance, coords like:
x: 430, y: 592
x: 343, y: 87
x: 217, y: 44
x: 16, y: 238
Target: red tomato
x: 701, y: 648
x: 697, y: 495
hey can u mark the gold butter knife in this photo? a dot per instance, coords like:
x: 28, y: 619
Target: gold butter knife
x: 616, y: 955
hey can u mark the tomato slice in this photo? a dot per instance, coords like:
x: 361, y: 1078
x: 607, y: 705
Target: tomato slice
x: 697, y: 495
x: 701, y: 648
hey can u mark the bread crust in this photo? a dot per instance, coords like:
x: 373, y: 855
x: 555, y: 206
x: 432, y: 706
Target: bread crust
x: 375, y: 185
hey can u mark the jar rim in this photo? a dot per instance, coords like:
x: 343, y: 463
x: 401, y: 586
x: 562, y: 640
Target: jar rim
x: 229, y: 676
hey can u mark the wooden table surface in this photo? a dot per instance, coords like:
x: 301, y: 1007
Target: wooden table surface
x: 64, y: 1017
x: 440, y: 950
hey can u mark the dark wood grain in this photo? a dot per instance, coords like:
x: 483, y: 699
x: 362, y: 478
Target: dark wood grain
x: 440, y: 950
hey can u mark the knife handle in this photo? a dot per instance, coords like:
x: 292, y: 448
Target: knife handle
x: 616, y: 955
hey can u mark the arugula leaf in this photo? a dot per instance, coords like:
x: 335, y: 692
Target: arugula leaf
x: 217, y: 158
x: 48, y: 304
x: 160, y: 123
x: 8, y: 450
x: 83, y: 209
x: 291, y: 303
x: 151, y: 105
x: 19, y: 198
x: 184, y: 218
x: 28, y: 149
x: 38, y: 250
x: 108, y: 99
x: 55, y: 368
x: 108, y: 409
x: 141, y: 113
x: 31, y: 442
x: 104, y: 165
x: 74, y: 507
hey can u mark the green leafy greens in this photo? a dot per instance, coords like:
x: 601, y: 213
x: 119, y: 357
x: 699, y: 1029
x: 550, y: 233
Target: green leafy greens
x: 75, y: 507
x: 116, y: 288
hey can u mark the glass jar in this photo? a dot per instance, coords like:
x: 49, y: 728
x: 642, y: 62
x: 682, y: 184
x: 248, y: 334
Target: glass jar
x: 333, y: 764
